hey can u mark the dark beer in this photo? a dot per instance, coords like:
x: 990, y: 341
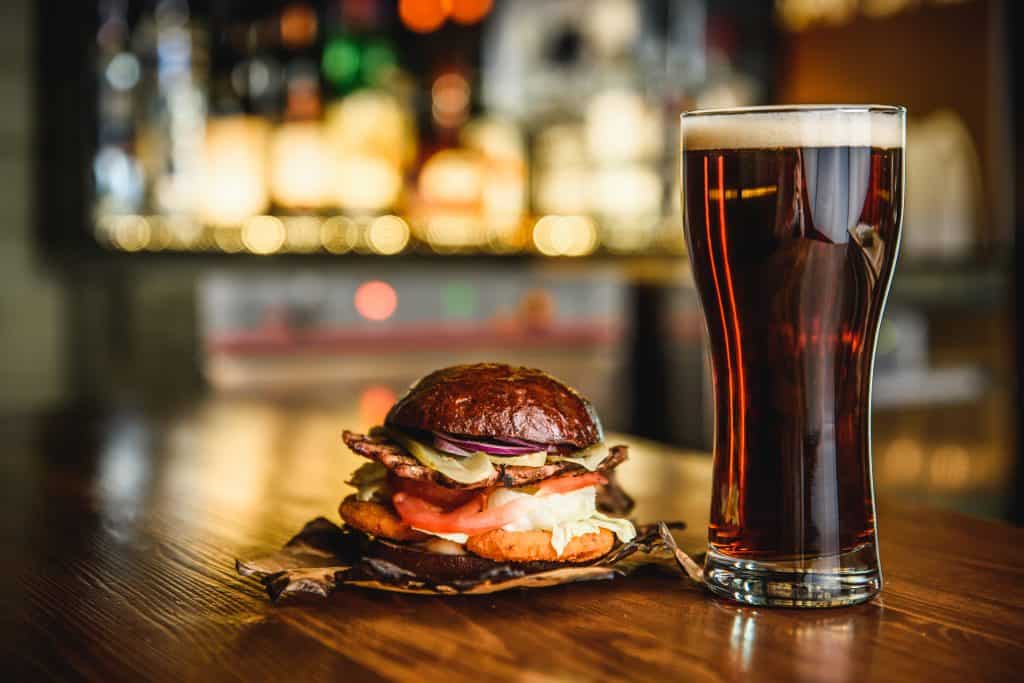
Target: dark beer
x: 792, y: 250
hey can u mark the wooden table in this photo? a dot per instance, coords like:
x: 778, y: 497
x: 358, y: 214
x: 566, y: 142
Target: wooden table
x: 120, y: 533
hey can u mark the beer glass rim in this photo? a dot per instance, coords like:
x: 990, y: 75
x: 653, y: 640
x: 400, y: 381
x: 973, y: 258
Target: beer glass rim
x: 798, y: 108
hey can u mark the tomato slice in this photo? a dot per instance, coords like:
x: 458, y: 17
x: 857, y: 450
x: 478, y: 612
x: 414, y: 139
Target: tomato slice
x: 571, y: 483
x: 470, y: 519
x: 432, y: 493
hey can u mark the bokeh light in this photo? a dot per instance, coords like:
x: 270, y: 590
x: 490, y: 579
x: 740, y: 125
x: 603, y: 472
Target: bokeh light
x: 339, y: 234
x: 388, y: 235
x: 366, y: 183
x: 562, y: 190
x: 626, y: 191
x: 565, y: 235
x: 302, y: 234
x: 378, y: 59
x: 452, y: 177
x: 902, y: 461
x: 228, y: 239
x: 299, y: 165
x: 263, y: 234
x: 371, y: 123
x: 184, y: 231
x: 469, y: 11
x: 123, y: 71
x: 160, y: 234
x: 950, y: 467
x: 376, y: 300
x: 340, y: 61
x: 298, y: 25
x: 422, y: 16
x: 620, y: 126
x: 131, y: 233
x: 459, y: 299
x: 450, y: 232
x: 257, y: 77
x: 450, y: 97
x: 232, y: 185
x: 374, y: 403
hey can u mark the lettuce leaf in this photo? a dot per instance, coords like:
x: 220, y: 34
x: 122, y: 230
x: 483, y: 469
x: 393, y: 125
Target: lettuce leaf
x: 563, y: 533
x: 368, y: 479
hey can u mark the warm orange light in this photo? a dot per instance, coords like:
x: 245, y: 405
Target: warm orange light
x: 298, y: 25
x: 450, y: 94
x: 374, y: 404
x: 300, y: 166
x: 232, y: 184
x: 303, y: 103
x: 470, y: 11
x: 422, y: 16
x: 452, y: 176
x: 376, y: 300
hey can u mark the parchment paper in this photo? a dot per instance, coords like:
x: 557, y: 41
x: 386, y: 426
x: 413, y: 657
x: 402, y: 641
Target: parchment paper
x: 324, y: 556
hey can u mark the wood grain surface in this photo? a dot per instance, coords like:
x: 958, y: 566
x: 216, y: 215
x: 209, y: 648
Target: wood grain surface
x: 119, y: 534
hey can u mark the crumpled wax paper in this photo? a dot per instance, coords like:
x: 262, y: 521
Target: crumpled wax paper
x: 324, y: 556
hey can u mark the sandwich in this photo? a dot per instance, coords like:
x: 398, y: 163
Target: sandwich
x: 486, y: 465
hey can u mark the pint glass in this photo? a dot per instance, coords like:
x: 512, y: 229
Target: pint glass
x: 792, y: 218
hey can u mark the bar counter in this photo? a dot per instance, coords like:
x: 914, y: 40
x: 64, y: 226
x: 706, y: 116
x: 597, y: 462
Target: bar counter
x: 120, y: 532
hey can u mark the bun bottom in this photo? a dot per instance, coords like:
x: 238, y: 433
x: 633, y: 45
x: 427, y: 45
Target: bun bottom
x: 442, y: 566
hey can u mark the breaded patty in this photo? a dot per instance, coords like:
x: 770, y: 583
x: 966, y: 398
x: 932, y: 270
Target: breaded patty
x: 377, y: 519
x: 380, y: 520
x: 531, y: 546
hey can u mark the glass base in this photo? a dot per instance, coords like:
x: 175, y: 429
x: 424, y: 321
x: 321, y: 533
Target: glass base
x: 837, y: 581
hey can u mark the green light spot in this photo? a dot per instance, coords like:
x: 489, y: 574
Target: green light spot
x: 340, y: 61
x: 459, y: 299
x: 378, y: 57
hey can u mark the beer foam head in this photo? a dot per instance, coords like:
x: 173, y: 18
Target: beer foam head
x: 773, y: 128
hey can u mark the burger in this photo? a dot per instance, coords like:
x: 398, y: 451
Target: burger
x: 486, y: 465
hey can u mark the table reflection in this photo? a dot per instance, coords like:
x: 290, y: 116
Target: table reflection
x: 826, y: 645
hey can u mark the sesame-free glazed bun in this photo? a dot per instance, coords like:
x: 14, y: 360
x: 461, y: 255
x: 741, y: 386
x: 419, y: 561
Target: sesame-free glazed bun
x: 497, y: 401
x: 807, y: 126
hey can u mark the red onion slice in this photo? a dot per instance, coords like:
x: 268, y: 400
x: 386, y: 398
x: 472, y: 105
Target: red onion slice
x: 537, y: 446
x: 456, y: 445
x: 442, y: 444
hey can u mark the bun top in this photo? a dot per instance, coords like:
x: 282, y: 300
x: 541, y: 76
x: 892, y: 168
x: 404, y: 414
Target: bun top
x: 492, y: 400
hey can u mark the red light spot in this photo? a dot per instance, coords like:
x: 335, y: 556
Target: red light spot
x: 376, y: 300
x: 374, y: 404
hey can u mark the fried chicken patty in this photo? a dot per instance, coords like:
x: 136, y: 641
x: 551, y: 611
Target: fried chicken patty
x: 381, y: 520
x: 377, y: 519
x: 533, y: 546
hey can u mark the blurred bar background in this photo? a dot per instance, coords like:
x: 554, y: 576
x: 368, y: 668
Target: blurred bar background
x: 226, y: 203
